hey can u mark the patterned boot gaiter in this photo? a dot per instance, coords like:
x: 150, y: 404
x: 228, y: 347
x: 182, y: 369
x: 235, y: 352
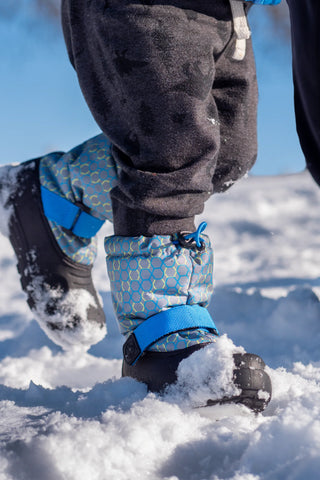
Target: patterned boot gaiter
x: 85, y: 176
x: 149, y: 275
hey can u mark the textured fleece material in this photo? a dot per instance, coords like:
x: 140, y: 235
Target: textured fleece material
x: 161, y: 82
x: 306, y: 73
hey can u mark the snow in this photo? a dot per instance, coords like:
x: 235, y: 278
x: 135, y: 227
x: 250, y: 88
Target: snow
x: 198, y: 380
x: 79, y: 338
x: 69, y: 415
x: 8, y: 176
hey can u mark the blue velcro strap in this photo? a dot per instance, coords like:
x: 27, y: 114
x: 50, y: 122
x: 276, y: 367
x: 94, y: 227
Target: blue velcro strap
x: 265, y: 2
x: 68, y: 215
x: 173, y: 320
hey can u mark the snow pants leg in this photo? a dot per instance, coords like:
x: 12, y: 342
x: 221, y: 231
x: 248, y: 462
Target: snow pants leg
x: 161, y: 82
x: 306, y: 74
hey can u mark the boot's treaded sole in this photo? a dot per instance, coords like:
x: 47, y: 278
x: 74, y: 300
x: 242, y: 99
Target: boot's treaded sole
x: 255, y: 384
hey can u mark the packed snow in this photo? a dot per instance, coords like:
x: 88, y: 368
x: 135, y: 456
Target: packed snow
x: 69, y: 415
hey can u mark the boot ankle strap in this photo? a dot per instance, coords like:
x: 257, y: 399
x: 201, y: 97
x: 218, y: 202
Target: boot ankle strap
x: 173, y: 320
x: 71, y: 216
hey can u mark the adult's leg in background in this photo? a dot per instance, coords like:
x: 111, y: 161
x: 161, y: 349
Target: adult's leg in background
x: 306, y: 75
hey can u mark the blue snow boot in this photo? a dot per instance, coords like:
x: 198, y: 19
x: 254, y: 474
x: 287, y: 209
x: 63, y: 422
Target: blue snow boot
x: 160, y: 287
x: 51, y: 219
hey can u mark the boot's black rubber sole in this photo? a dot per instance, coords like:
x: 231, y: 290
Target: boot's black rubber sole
x: 43, y: 267
x: 158, y: 370
x: 252, y: 379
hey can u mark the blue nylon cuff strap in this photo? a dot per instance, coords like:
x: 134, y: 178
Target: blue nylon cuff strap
x: 68, y: 215
x: 173, y: 320
x: 265, y: 2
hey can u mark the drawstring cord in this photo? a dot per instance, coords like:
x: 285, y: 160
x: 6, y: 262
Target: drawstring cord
x: 195, y: 236
x: 192, y: 240
x: 241, y: 29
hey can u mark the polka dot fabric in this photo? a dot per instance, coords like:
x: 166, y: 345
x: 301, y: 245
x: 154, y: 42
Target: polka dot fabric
x: 86, y: 174
x: 151, y: 274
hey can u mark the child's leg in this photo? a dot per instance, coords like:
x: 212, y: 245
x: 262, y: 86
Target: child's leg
x: 162, y: 84
x: 44, y: 203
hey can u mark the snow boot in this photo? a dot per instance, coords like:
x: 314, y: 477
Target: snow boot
x: 160, y: 287
x: 51, y: 226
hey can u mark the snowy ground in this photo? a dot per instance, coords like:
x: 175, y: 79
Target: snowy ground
x: 70, y: 416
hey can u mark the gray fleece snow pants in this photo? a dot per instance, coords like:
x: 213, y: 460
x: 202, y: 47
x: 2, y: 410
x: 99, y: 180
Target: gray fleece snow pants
x: 160, y: 80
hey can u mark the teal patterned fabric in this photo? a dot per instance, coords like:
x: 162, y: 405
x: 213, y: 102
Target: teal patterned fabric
x: 151, y: 274
x: 86, y: 174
